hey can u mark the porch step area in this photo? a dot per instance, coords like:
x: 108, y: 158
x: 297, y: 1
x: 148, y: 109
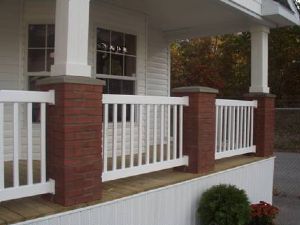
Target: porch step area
x: 33, y: 207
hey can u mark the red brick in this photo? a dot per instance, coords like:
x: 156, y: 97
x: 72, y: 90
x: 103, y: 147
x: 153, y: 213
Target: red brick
x: 199, y: 131
x: 264, y: 123
x: 74, y: 126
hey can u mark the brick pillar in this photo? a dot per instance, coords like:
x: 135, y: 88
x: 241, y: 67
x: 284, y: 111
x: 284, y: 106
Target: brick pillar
x: 264, y: 123
x: 199, y: 127
x: 74, y: 126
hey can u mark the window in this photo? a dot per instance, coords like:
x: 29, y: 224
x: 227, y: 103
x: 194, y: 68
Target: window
x: 40, y: 55
x: 116, y: 61
x: 116, y: 64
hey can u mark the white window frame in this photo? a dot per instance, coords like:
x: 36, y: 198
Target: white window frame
x: 116, y: 77
x: 33, y: 74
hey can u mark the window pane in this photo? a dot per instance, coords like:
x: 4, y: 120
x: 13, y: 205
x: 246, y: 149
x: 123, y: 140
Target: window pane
x: 127, y: 87
x: 117, y: 42
x: 103, y: 39
x: 130, y: 44
x: 50, y: 36
x: 117, y: 64
x: 50, y: 58
x: 115, y: 86
x: 36, y: 60
x: 37, y: 36
x: 130, y: 66
x: 103, y: 63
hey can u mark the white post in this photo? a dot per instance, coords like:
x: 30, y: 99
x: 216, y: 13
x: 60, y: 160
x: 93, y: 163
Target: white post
x: 259, y: 60
x: 71, y: 38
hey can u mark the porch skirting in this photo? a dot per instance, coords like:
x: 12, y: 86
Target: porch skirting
x: 171, y: 205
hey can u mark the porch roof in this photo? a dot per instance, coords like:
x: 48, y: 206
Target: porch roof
x: 191, y: 18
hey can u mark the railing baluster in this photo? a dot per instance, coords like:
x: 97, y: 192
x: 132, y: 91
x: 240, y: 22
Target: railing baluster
x: 180, y: 131
x: 221, y: 129
x: 225, y: 128
x: 43, y: 142
x: 229, y: 127
x: 241, y: 127
x: 175, y: 132
x: 169, y: 133
x: 245, y: 127
x: 105, y: 133
x: 248, y: 127
x: 233, y: 127
x: 216, y: 131
x: 115, y: 135
x: 1, y: 146
x: 29, y: 147
x: 140, y: 150
x: 131, y: 135
x: 252, y: 123
x: 16, y: 145
x: 123, y: 135
x: 162, y: 132
x: 155, y: 135
x: 147, y: 134
x: 238, y: 127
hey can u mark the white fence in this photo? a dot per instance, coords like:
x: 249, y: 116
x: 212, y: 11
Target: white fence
x: 141, y: 134
x: 234, y: 127
x: 18, y: 177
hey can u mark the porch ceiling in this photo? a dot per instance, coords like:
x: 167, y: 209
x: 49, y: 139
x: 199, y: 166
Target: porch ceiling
x: 190, y: 18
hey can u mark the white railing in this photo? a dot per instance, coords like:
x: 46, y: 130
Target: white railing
x: 234, y: 127
x: 141, y: 134
x: 18, y: 175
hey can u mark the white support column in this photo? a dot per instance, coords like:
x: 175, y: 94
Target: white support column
x: 71, y: 38
x: 259, y: 59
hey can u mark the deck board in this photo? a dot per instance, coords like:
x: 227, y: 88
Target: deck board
x: 33, y: 207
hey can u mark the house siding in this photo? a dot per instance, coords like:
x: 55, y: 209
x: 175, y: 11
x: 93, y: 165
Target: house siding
x: 158, y: 64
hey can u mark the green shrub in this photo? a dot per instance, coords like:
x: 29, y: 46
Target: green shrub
x: 224, y: 205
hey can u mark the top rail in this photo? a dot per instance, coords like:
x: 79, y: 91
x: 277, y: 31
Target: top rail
x: 145, y: 100
x: 27, y: 96
x: 226, y: 102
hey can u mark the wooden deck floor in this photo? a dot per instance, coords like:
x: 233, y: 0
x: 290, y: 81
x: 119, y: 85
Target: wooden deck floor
x: 33, y: 207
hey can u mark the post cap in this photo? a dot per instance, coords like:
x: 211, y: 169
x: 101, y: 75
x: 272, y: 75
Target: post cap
x: 195, y: 89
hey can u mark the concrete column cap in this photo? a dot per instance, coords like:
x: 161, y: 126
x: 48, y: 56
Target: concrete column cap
x: 195, y: 89
x: 70, y: 80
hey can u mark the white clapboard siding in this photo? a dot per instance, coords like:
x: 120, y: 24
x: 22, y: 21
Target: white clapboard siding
x: 172, y: 205
x: 158, y: 64
x: 9, y: 44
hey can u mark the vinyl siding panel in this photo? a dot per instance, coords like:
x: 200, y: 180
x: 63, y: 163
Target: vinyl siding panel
x: 158, y: 64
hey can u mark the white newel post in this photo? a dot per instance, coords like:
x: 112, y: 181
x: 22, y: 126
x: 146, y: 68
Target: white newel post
x: 259, y: 59
x: 71, y: 38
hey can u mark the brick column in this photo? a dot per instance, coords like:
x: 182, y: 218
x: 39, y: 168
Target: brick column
x: 74, y: 126
x: 199, y: 127
x: 264, y: 123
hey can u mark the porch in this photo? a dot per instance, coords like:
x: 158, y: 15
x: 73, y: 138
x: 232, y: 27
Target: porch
x: 30, y: 208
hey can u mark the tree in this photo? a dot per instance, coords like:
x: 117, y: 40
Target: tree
x: 224, y: 63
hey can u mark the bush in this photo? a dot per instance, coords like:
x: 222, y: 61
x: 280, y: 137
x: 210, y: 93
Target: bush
x: 263, y: 213
x: 224, y: 205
